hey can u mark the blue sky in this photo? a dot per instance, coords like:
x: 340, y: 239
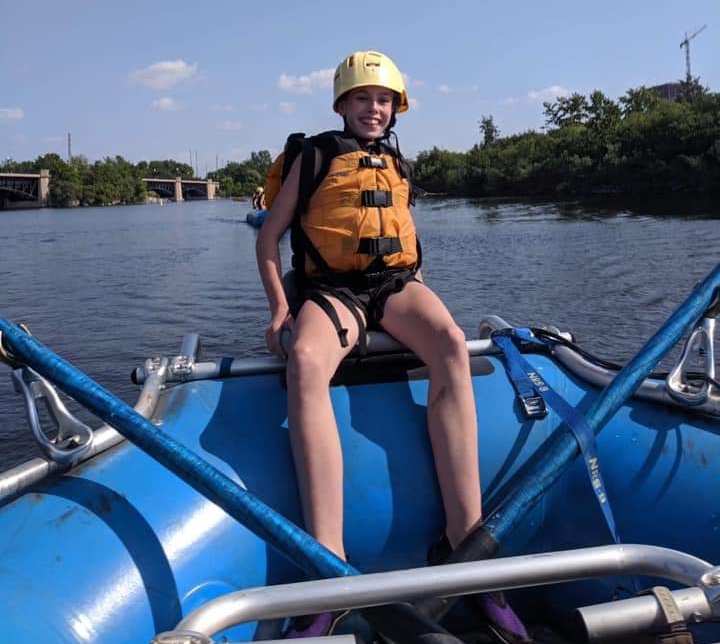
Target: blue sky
x: 151, y: 80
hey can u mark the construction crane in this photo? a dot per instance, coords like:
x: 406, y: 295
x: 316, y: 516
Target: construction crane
x: 686, y: 43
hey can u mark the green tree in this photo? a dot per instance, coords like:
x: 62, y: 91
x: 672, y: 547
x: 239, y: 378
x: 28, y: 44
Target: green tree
x: 566, y: 110
x: 239, y: 179
x: 440, y: 171
x: 488, y: 129
x: 165, y: 169
x: 639, y: 100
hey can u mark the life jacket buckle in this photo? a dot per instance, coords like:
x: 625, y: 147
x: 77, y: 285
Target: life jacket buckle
x: 378, y: 246
x: 376, y: 198
x: 373, y: 162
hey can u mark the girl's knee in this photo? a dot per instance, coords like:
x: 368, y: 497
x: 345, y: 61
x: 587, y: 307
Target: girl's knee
x: 453, y: 342
x: 305, y: 364
x: 449, y: 353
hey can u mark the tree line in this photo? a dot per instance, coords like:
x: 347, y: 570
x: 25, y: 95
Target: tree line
x: 115, y: 181
x: 641, y: 143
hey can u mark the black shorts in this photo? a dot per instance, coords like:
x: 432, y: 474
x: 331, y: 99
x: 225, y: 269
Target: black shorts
x: 364, y: 294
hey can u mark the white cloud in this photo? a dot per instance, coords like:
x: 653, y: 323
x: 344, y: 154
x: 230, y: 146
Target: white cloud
x: 260, y: 107
x: 286, y: 108
x: 11, y: 114
x: 221, y: 108
x: 447, y: 89
x: 164, y: 74
x: 548, y: 93
x: 320, y: 79
x: 414, y: 103
x: 510, y: 100
x: 165, y: 104
x: 230, y: 125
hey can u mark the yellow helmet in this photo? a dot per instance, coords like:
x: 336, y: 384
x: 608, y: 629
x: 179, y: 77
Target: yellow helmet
x: 364, y: 68
x: 259, y: 190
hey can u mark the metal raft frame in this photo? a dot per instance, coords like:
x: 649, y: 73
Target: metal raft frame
x: 184, y: 367
x: 628, y: 618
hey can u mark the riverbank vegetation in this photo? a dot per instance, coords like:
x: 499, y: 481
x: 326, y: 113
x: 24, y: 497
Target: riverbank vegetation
x: 114, y: 181
x: 81, y: 183
x: 241, y: 179
x: 639, y: 144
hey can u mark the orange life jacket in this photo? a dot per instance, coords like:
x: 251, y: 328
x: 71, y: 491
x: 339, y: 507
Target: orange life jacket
x: 354, y: 215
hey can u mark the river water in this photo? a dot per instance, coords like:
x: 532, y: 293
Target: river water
x: 106, y: 288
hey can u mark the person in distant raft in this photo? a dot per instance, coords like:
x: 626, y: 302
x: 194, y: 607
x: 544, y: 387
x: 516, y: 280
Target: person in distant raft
x: 346, y: 198
x: 258, y: 200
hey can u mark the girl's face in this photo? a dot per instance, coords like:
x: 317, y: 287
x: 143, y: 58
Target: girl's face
x: 367, y: 110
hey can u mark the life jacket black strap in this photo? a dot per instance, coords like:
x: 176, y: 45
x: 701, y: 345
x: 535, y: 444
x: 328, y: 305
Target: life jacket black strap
x: 293, y: 147
x: 352, y: 303
x: 355, y: 306
x: 378, y: 246
x: 314, y: 254
x: 329, y: 310
x: 307, y: 178
x: 376, y: 198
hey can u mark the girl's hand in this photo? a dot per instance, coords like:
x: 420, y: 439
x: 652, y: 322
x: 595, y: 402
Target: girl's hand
x: 273, y: 333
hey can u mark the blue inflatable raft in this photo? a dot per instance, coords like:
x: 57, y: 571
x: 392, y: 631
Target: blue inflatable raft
x: 256, y: 218
x: 190, y: 525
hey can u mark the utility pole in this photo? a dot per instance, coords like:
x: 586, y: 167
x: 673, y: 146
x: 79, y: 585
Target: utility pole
x: 686, y: 43
x: 197, y: 168
x: 69, y: 146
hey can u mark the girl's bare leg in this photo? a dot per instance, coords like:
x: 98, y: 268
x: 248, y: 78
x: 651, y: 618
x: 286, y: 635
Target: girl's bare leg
x: 312, y: 361
x: 419, y: 319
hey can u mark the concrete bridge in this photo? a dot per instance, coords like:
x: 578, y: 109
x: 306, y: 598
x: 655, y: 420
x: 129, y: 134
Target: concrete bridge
x: 29, y: 190
x: 32, y: 190
x: 180, y: 189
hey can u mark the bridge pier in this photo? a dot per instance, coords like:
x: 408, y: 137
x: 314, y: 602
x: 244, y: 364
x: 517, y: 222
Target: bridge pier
x: 178, y: 188
x: 44, y: 187
x: 24, y: 189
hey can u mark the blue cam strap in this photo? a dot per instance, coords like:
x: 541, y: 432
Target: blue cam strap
x: 531, y: 387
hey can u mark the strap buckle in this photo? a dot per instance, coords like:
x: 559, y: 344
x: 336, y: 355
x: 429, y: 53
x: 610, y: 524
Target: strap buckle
x: 533, y: 406
x: 372, y: 162
x: 378, y: 245
x: 376, y: 198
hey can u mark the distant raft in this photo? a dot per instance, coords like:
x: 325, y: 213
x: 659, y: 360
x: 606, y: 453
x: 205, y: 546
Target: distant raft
x: 256, y: 218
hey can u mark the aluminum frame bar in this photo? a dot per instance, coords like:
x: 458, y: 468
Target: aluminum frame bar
x: 376, y: 589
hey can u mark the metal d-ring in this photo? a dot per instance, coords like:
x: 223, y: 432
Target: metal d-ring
x: 690, y: 380
x: 73, y: 438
